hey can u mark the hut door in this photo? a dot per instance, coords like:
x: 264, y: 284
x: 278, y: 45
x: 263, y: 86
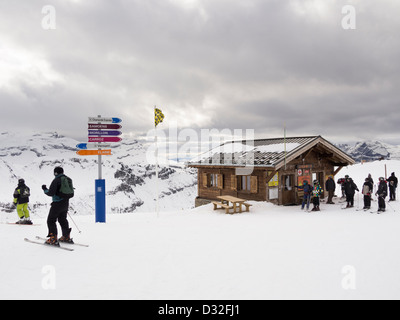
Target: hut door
x: 288, y: 190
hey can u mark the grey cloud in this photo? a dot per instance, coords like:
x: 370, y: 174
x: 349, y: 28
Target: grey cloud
x: 232, y: 64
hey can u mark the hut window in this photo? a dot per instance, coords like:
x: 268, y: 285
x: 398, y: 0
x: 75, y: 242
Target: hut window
x: 248, y: 184
x: 214, y: 180
x: 211, y: 180
x: 288, y: 182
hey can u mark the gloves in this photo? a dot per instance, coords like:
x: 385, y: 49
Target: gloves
x: 44, y: 187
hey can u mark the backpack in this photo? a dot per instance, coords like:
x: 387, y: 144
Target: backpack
x: 25, y: 192
x: 67, y: 188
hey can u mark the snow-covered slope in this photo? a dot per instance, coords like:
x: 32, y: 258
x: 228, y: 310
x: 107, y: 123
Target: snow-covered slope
x: 269, y: 253
x: 130, y: 178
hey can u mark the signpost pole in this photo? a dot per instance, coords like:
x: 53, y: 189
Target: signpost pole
x: 95, y: 146
x: 100, y: 186
x: 157, y: 191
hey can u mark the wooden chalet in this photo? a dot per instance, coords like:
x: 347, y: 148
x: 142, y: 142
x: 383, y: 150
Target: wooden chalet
x: 267, y: 169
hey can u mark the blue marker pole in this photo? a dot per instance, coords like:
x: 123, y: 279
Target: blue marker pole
x: 100, y: 201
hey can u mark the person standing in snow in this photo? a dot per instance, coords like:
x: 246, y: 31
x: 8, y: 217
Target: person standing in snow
x: 21, y: 200
x: 342, y: 182
x: 307, y: 194
x: 367, y: 191
x: 330, y: 186
x: 393, y: 181
x: 382, y: 194
x: 316, y: 194
x: 58, y: 211
x: 350, y: 188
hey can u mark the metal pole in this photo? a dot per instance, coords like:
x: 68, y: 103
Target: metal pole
x: 99, y: 159
x: 100, y: 187
x: 157, y: 191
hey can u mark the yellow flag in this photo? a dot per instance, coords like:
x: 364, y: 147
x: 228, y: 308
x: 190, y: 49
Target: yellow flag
x: 158, y: 116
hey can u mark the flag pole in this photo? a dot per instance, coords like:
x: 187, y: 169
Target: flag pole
x: 157, y: 191
x: 284, y: 139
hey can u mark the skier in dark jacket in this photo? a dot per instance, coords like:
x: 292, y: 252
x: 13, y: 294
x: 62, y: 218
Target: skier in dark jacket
x: 307, y: 194
x: 330, y: 186
x: 393, y: 181
x: 367, y: 191
x: 382, y: 194
x: 58, y: 211
x: 21, y: 200
x: 350, y: 188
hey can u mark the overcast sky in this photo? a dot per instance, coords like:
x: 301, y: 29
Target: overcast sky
x: 248, y: 64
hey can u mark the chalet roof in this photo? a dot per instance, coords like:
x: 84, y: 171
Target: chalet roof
x: 269, y: 152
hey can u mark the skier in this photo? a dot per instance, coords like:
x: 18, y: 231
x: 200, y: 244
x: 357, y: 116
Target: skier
x: 350, y: 188
x: 372, y: 182
x: 21, y: 200
x: 307, y: 194
x: 58, y: 210
x: 330, y: 186
x: 367, y: 191
x: 393, y: 181
x: 316, y: 194
x: 342, y: 182
x: 382, y: 194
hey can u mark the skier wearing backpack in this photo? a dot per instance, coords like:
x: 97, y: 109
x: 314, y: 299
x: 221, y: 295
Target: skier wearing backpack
x: 21, y: 200
x: 382, y: 194
x: 61, y: 190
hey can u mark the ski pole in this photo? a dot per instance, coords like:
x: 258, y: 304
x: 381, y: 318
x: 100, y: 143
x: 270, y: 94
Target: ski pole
x: 390, y: 206
x: 74, y: 223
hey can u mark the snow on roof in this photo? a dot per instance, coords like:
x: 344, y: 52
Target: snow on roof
x: 264, y: 152
x: 258, y: 152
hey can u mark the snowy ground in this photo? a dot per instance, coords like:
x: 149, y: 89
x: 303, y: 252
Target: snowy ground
x: 270, y: 253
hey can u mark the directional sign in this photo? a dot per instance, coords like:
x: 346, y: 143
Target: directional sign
x: 104, y: 133
x: 104, y: 139
x: 86, y: 146
x: 106, y: 120
x: 94, y: 152
x: 102, y: 126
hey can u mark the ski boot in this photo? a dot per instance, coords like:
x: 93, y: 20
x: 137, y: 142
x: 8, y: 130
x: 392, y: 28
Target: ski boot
x: 52, y: 241
x: 28, y: 221
x: 67, y: 239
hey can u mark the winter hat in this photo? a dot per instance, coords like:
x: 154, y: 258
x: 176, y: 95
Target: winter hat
x: 21, y: 182
x: 58, y: 171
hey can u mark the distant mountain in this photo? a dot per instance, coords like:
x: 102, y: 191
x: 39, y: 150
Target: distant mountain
x: 129, y: 174
x: 371, y: 151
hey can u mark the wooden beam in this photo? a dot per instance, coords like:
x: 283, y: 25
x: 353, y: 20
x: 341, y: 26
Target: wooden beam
x: 337, y: 171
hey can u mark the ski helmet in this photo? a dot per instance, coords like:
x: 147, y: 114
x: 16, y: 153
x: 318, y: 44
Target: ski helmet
x: 58, y: 170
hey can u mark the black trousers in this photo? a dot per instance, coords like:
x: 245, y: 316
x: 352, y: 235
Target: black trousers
x: 367, y: 201
x: 381, y: 203
x: 58, y: 211
x: 392, y: 193
x: 350, y: 199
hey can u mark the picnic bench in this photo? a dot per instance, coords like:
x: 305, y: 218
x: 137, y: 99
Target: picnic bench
x: 236, y: 204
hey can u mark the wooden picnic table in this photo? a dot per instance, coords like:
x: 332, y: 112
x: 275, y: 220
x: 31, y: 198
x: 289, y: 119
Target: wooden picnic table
x: 236, y: 204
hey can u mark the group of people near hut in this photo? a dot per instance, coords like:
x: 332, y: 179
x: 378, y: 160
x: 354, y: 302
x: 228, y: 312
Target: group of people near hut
x: 349, y: 188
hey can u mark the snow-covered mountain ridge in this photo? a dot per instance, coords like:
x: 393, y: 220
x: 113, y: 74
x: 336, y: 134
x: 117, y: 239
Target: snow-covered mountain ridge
x: 371, y: 151
x: 130, y: 176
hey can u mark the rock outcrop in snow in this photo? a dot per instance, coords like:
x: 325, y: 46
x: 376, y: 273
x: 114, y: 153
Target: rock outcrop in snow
x: 130, y: 178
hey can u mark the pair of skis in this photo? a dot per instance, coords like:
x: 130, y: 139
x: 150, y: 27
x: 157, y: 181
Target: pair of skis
x: 53, y: 246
